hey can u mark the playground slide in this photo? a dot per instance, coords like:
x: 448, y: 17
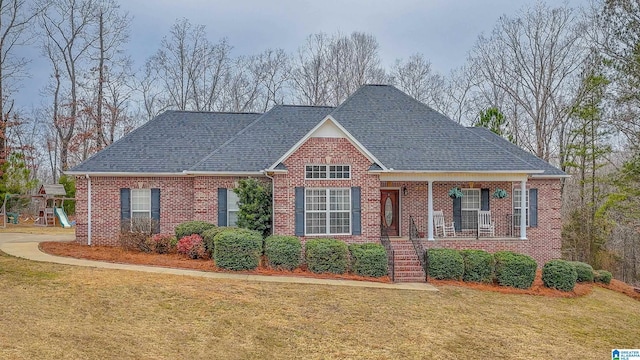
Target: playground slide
x: 62, y: 217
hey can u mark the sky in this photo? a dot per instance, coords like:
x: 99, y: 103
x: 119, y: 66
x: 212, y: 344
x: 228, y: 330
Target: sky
x: 443, y: 30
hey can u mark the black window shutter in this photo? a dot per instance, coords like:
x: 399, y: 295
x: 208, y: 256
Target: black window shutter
x: 356, y: 211
x: 299, y: 213
x: 155, y: 210
x: 533, y: 207
x: 484, y: 199
x: 457, y: 213
x: 125, y: 209
x: 222, y: 207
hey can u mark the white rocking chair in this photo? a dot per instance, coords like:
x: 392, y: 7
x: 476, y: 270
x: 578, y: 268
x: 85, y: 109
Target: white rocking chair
x: 442, y: 227
x: 485, y: 226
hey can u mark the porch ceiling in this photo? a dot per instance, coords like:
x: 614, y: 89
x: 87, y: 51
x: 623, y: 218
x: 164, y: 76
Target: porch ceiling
x: 453, y: 176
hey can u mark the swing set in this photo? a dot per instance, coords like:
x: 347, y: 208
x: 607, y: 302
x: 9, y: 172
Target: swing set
x: 46, y: 207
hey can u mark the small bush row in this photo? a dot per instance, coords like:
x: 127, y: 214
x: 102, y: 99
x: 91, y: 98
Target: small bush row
x: 241, y: 249
x: 506, y: 267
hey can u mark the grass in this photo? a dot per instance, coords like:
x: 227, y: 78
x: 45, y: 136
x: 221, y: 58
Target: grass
x: 33, y: 229
x: 58, y: 311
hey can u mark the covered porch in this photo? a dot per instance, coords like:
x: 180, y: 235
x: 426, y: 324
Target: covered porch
x: 457, y: 206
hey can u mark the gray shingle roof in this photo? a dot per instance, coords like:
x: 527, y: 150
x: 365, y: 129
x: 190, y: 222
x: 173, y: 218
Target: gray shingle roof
x: 264, y: 141
x: 405, y: 134
x: 402, y: 133
x: 517, y: 151
x: 169, y: 143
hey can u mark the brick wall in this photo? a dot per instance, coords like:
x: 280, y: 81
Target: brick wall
x: 181, y: 199
x: 196, y: 198
x: 337, y: 151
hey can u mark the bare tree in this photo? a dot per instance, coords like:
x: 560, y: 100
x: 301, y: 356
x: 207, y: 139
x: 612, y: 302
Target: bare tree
x: 15, y: 17
x: 189, y: 69
x: 416, y: 77
x: 309, y: 78
x: 66, y: 41
x: 533, y: 59
x: 112, y: 34
x: 272, y: 69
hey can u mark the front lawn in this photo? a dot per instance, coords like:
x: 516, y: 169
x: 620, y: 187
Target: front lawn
x: 58, y: 311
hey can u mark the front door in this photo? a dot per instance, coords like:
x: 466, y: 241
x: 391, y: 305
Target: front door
x: 390, y: 211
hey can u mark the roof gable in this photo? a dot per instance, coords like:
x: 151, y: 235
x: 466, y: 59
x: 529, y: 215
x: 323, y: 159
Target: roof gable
x: 328, y: 127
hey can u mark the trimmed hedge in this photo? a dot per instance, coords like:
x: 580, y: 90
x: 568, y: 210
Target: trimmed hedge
x: 559, y: 274
x: 515, y: 270
x: 584, y: 271
x: 238, y: 249
x: 327, y: 255
x: 368, y: 259
x: 192, y: 227
x: 209, y: 235
x: 445, y: 264
x: 283, y: 252
x: 478, y: 266
x: 603, y: 276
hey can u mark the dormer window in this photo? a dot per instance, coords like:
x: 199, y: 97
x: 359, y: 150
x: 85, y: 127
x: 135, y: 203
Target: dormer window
x: 321, y: 172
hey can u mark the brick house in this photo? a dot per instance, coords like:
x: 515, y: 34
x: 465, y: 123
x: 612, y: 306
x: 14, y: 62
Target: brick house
x: 380, y: 160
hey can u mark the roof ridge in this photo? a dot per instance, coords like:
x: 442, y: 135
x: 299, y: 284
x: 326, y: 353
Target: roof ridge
x: 215, y: 112
x: 216, y: 150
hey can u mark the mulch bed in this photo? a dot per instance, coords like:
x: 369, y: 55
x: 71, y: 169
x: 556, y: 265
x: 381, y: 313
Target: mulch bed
x: 118, y: 255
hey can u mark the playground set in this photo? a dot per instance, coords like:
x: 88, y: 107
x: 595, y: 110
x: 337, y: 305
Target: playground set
x: 46, y: 207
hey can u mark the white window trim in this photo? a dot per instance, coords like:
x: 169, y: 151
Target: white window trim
x: 469, y: 209
x: 328, y: 212
x: 513, y: 206
x: 140, y: 211
x: 327, y: 172
x: 229, y: 209
x: 133, y: 225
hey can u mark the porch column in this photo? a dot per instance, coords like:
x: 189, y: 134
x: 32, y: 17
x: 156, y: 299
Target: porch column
x: 523, y: 212
x: 430, y: 212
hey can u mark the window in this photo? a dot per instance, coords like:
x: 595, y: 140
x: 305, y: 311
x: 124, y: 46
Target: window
x: 328, y: 211
x: 140, y: 209
x: 517, y: 208
x: 232, y: 208
x: 470, y: 202
x: 327, y: 172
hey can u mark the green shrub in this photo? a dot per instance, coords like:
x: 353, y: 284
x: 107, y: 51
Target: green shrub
x: 559, y: 274
x: 516, y: 270
x: 584, y: 271
x: 209, y: 235
x: 478, y: 266
x: 327, y: 255
x: 238, y: 249
x: 368, y: 259
x: 603, y: 276
x: 283, y: 252
x: 192, y: 227
x: 445, y: 264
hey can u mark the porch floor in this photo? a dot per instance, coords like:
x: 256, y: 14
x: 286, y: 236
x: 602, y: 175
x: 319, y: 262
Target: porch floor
x: 460, y: 238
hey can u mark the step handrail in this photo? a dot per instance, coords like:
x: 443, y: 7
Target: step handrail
x: 384, y: 240
x: 414, y: 237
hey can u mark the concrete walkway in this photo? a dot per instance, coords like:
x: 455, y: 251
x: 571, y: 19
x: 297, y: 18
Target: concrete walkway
x: 26, y: 246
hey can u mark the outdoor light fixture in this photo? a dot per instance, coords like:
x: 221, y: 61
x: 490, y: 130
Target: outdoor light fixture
x: 404, y: 190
